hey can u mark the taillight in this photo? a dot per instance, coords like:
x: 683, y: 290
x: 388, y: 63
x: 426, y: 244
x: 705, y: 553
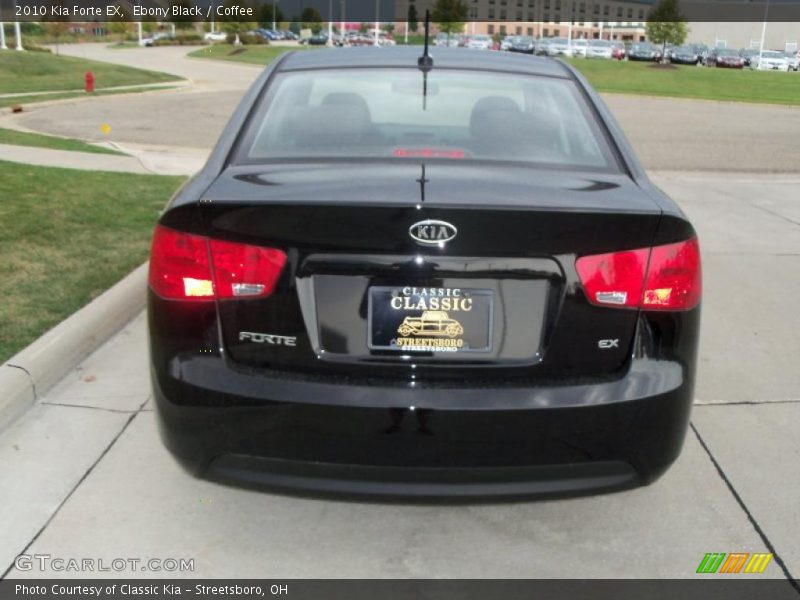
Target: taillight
x: 192, y: 267
x: 660, y: 278
x: 243, y: 270
x: 674, y: 277
x: 179, y: 265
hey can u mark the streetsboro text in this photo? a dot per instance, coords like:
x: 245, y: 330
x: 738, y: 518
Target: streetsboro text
x: 127, y: 589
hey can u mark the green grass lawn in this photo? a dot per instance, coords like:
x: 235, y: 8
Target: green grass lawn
x: 256, y: 54
x: 21, y: 138
x: 22, y: 72
x: 413, y: 39
x: 687, y: 81
x: 67, y: 236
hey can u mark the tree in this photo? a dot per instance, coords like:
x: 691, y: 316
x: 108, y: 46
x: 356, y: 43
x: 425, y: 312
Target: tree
x: 311, y: 19
x: 184, y: 7
x: 450, y: 16
x: 56, y: 24
x: 231, y: 23
x: 265, y: 17
x: 666, y: 25
x: 120, y: 24
x: 413, y: 19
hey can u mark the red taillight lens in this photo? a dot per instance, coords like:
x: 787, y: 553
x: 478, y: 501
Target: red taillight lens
x: 241, y: 270
x: 671, y: 280
x: 613, y: 279
x: 674, y: 277
x: 181, y: 267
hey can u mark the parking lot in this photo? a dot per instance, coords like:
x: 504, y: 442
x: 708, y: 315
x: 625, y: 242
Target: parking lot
x: 88, y: 476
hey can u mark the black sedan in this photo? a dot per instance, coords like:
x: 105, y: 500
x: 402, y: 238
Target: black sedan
x: 423, y: 278
x: 684, y: 55
x: 724, y: 58
x: 524, y: 44
x: 644, y: 51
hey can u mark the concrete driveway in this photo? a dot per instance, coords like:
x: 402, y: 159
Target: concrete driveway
x: 85, y: 474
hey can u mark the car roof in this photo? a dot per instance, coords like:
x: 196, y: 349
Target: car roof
x: 454, y: 58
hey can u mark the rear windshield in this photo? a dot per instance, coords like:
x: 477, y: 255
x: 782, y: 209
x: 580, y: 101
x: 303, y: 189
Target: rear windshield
x: 465, y: 115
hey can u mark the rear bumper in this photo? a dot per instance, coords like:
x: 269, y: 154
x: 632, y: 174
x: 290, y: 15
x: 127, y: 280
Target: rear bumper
x: 280, y: 430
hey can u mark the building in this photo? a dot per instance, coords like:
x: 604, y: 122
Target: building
x: 607, y: 19
x: 779, y: 35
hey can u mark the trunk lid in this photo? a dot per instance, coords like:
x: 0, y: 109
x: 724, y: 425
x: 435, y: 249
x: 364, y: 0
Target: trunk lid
x: 345, y: 230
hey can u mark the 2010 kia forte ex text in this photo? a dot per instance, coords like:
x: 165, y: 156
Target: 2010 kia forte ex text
x: 438, y: 275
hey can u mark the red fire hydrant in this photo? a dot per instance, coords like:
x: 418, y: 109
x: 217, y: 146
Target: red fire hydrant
x: 89, y: 84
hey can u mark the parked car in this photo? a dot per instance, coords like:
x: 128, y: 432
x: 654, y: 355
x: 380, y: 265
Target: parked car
x: 578, y: 47
x: 770, y: 60
x: 152, y: 39
x: 644, y: 51
x: 684, y: 55
x: 542, y: 45
x: 386, y: 39
x: 523, y: 43
x: 467, y: 39
x: 453, y: 40
x: 505, y: 43
x: 724, y: 58
x: 289, y: 35
x: 265, y: 34
x: 747, y: 55
x: 600, y: 49
x: 557, y: 46
x: 618, y: 50
x: 215, y: 36
x: 278, y: 280
x: 320, y: 39
x: 791, y: 61
x: 360, y: 39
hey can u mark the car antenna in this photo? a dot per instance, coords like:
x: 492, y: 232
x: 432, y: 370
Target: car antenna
x: 425, y: 62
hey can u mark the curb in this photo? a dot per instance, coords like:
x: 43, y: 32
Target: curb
x: 6, y: 110
x: 34, y: 370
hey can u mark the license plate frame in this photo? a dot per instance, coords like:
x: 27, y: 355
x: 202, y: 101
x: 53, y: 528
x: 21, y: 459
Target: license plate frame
x: 439, y: 320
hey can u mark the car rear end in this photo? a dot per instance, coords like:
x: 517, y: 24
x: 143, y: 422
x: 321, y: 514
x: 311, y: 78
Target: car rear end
x: 599, y: 49
x: 466, y: 302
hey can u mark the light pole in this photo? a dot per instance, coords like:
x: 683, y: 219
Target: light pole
x: 274, y: 14
x: 213, y: 14
x: 341, y: 16
x: 763, y: 35
x: 377, y: 23
x: 571, y: 23
x: 2, y: 29
x: 17, y: 30
x: 330, y: 23
x: 138, y: 24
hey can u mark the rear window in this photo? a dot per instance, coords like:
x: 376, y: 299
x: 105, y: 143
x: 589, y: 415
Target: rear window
x: 370, y: 113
